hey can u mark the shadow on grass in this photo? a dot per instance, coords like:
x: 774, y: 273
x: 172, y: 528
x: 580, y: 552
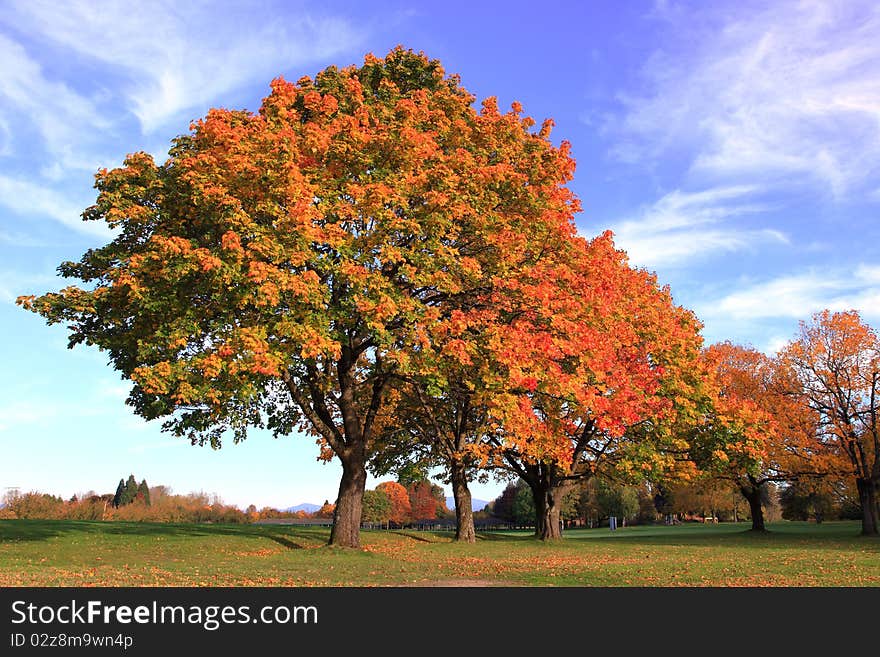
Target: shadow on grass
x: 838, y: 535
x: 14, y: 531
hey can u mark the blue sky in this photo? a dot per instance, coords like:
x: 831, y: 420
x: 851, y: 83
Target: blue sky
x: 732, y: 147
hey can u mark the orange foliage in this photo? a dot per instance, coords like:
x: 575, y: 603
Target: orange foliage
x: 423, y: 503
x: 400, y: 506
x: 832, y: 369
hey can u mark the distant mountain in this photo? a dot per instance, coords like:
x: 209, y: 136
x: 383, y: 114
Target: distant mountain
x: 308, y: 508
x: 476, y: 505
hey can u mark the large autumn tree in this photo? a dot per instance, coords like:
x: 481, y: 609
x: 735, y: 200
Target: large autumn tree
x: 283, y: 266
x: 598, y: 373
x: 832, y: 368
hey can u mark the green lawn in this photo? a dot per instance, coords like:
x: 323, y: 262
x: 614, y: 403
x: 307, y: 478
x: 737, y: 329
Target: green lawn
x: 73, y: 553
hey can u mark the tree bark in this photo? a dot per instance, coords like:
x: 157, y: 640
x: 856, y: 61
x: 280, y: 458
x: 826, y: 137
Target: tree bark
x: 552, y: 529
x: 548, y: 508
x: 464, y: 517
x: 349, y: 503
x: 868, y: 501
x: 539, y: 496
x: 753, y: 497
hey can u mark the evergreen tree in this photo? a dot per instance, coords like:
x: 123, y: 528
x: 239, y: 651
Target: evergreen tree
x: 143, y: 492
x: 130, y: 491
x: 120, y: 493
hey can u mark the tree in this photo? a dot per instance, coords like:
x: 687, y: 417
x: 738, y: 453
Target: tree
x: 832, y: 368
x: 130, y: 491
x: 422, y: 501
x: 743, y: 439
x: 599, y: 372
x: 502, y: 507
x: 159, y: 492
x: 808, y: 499
x: 615, y: 500
x: 377, y: 507
x: 326, y: 511
x: 440, y: 498
x: 282, y: 267
x: 523, y: 510
x: 143, y: 492
x: 120, y: 493
x: 399, y: 500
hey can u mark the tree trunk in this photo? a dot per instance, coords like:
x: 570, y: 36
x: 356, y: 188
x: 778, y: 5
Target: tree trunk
x: 753, y: 496
x: 548, y: 504
x: 347, y: 516
x: 553, y: 524
x: 868, y: 502
x: 464, y: 517
x: 539, y: 496
x: 552, y: 529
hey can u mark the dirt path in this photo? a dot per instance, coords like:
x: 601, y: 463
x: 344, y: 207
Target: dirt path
x: 464, y: 583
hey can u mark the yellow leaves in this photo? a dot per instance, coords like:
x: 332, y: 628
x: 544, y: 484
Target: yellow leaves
x: 265, y: 364
x: 720, y: 455
x: 268, y: 294
x: 153, y: 379
x: 211, y: 366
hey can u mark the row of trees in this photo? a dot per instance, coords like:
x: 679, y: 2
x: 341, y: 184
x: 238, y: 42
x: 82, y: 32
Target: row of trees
x: 392, y: 502
x: 595, y: 500
x: 372, y: 260
x: 164, y: 507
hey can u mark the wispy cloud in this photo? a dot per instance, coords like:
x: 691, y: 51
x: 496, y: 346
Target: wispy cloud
x: 682, y: 227
x: 33, y: 199
x: 787, y: 91
x: 13, y: 284
x: 20, y: 239
x: 129, y: 64
x: 176, y: 56
x: 66, y: 121
x: 797, y: 296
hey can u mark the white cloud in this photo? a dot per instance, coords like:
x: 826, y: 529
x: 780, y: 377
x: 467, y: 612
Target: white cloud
x: 775, y: 344
x: 798, y: 296
x: 788, y: 92
x: 63, y: 118
x: 5, y: 137
x: 41, y: 413
x: 176, y: 56
x: 75, y: 77
x: 681, y: 226
x: 20, y: 239
x: 13, y: 284
x: 31, y: 199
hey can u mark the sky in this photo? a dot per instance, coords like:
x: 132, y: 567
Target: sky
x: 732, y: 147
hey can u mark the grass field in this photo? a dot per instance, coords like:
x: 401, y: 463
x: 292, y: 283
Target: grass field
x: 73, y: 553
